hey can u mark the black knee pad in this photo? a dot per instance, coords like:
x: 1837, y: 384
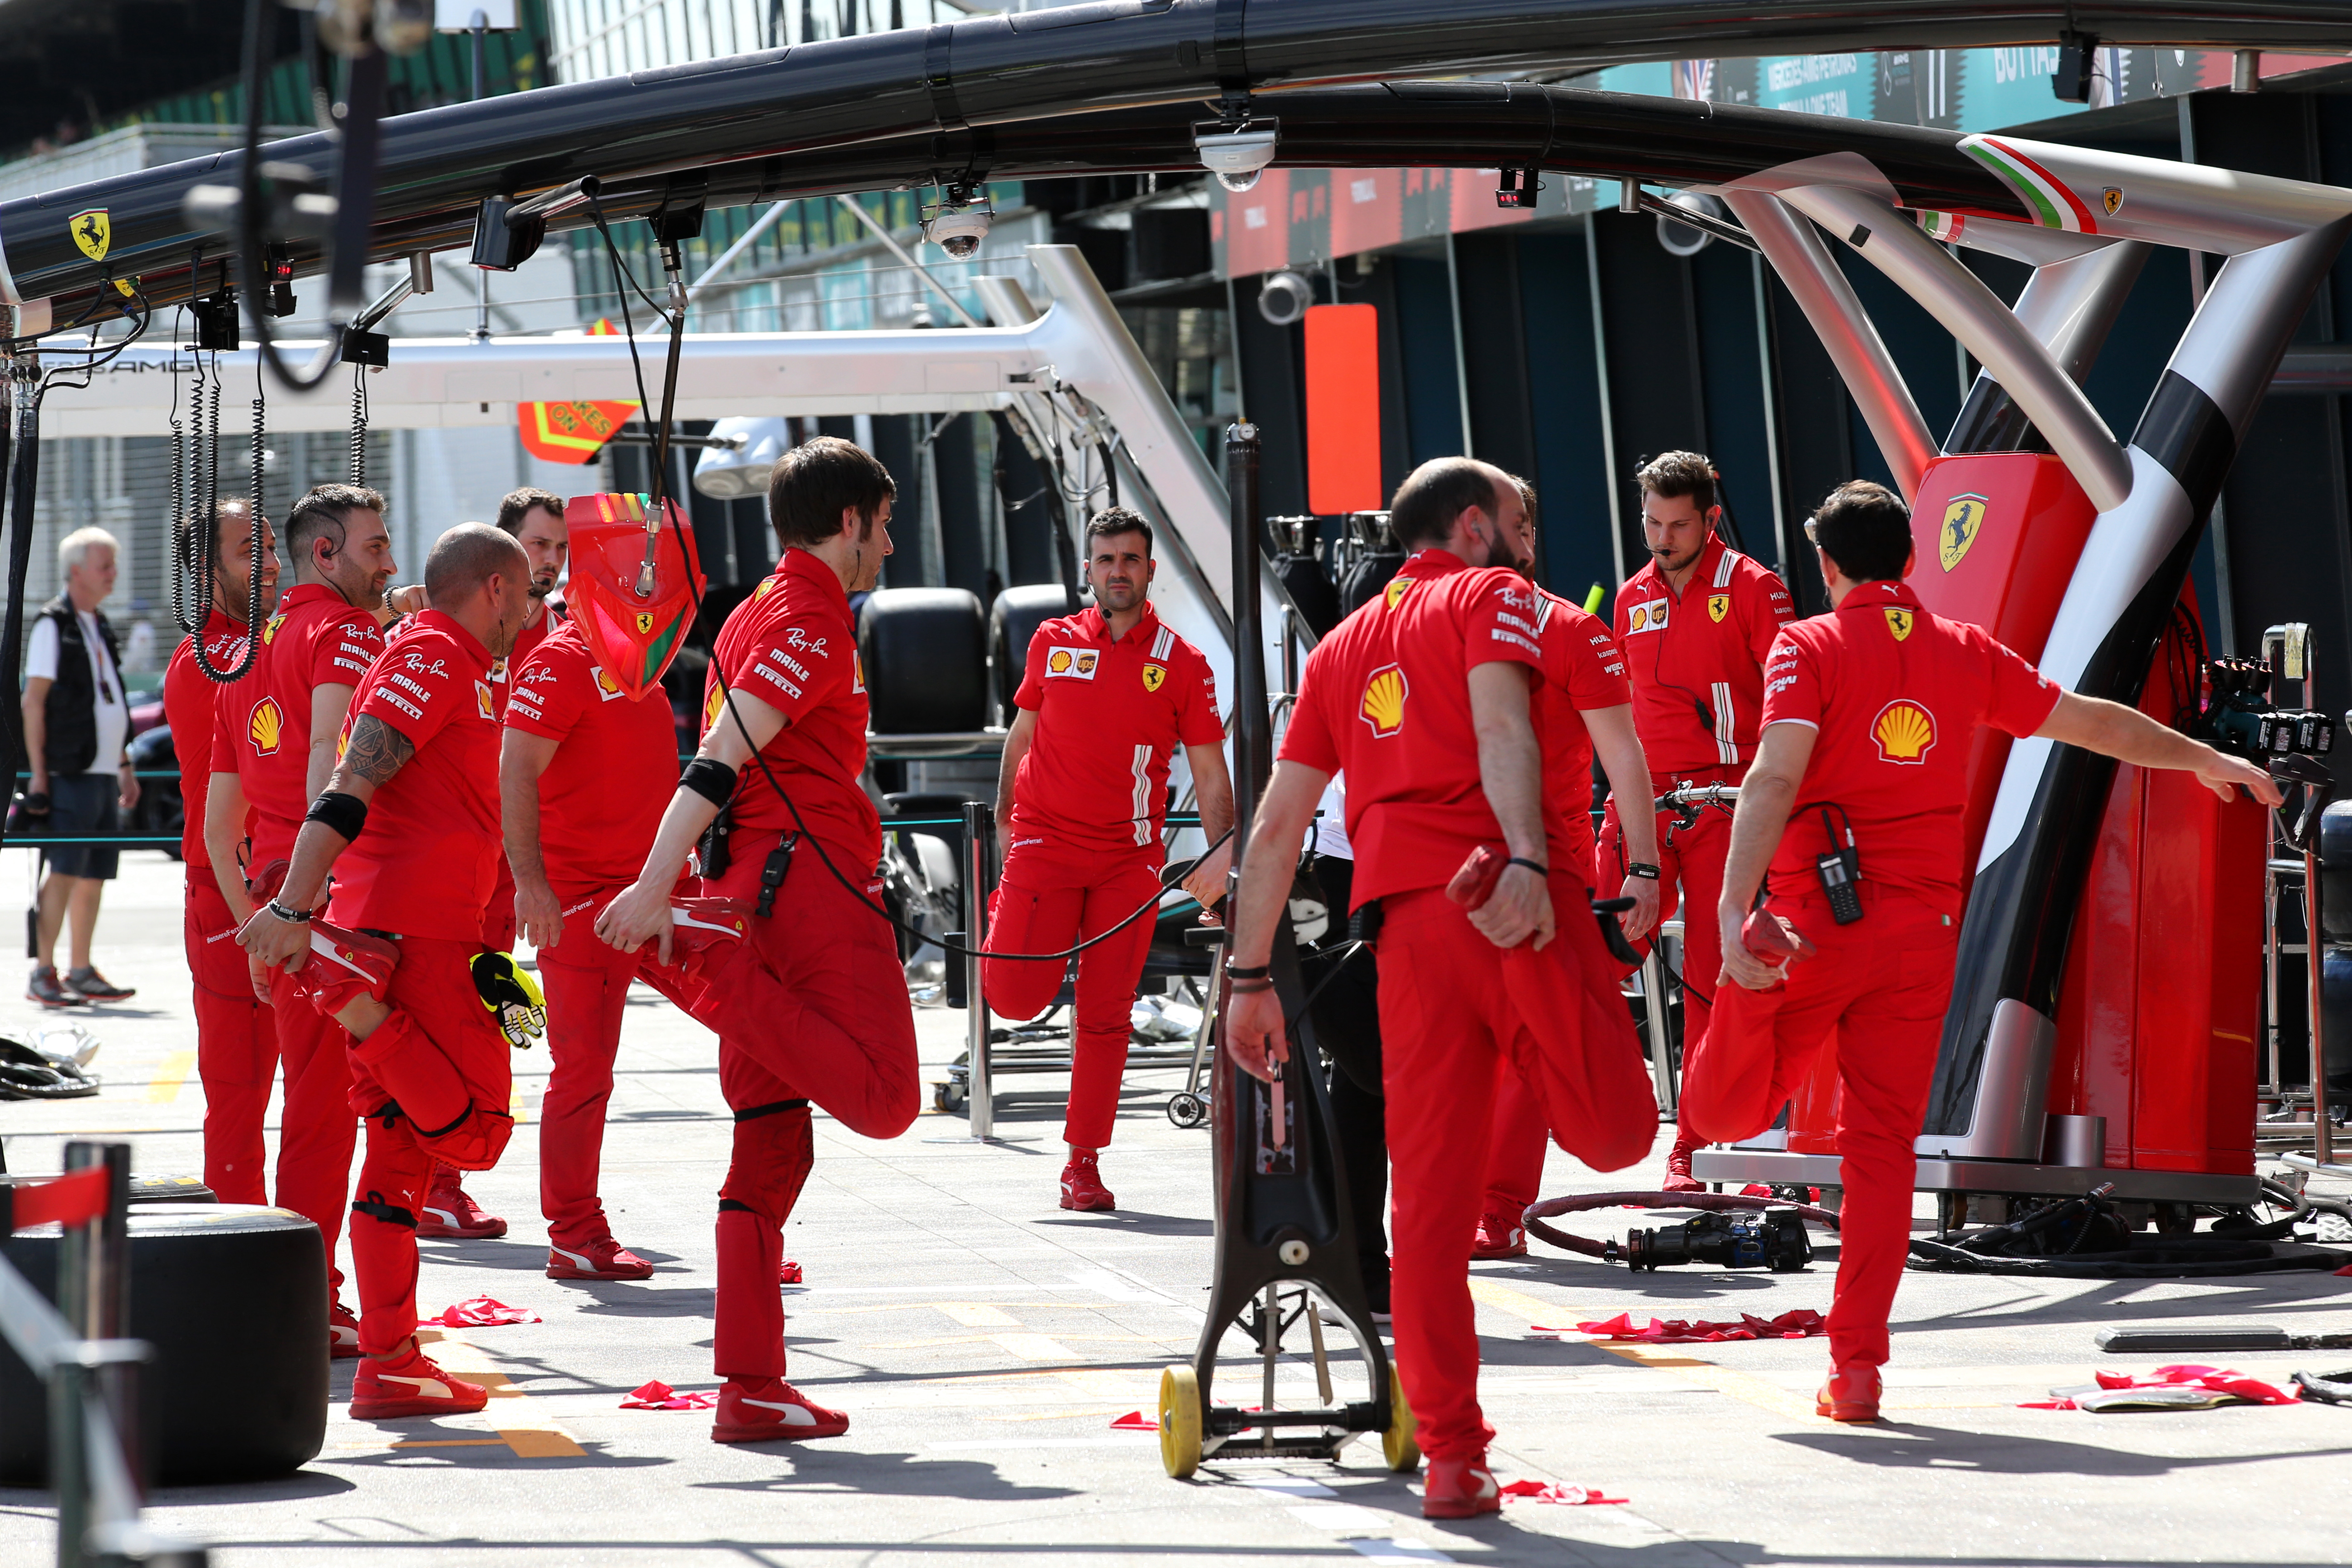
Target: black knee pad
x: 375, y: 1207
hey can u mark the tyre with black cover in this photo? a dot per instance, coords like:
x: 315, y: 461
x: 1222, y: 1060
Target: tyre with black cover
x: 926, y: 661
x: 233, y: 1298
x: 1017, y: 614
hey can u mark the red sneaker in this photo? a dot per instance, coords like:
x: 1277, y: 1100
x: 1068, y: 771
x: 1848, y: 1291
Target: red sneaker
x: 450, y: 1213
x: 342, y: 965
x: 410, y: 1384
x: 1851, y: 1393
x: 602, y: 1258
x: 1457, y: 1488
x: 1499, y: 1236
x: 1678, y: 1168
x: 759, y: 1409
x: 1082, y: 1187
x: 342, y: 1332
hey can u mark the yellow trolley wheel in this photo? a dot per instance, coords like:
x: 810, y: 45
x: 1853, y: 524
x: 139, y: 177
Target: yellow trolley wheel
x: 1397, y: 1444
x: 1179, y: 1422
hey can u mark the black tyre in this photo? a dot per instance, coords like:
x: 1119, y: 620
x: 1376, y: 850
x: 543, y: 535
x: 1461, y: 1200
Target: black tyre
x: 144, y: 1189
x: 925, y: 656
x: 233, y: 1296
x: 1017, y: 614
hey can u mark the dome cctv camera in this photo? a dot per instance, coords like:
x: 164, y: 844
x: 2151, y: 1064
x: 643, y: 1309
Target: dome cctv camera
x: 959, y: 230
x: 1237, y: 157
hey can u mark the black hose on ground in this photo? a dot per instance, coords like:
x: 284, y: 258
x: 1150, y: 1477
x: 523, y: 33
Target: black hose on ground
x: 1608, y: 1251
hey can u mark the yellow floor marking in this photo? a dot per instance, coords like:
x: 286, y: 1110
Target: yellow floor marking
x: 1502, y: 1297
x: 517, y: 1419
x: 164, y: 1088
x: 452, y: 1443
x: 978, y: 1315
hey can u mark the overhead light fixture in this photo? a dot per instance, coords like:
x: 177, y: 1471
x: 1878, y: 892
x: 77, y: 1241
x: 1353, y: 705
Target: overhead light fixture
x: 1236, y: 153
x: 1686, y: 238
x: 1283, y: 297
x: 740, y: 470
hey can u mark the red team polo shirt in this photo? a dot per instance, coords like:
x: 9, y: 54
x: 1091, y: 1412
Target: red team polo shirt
x: 189, y: 705
x: 1110, y: 717
x: 603, y: 794
x: 1582, y: 670
x: 1697, y: 660
x: 1385, y: 698
x: 792, y: 645
x: 1896, y: 694
x: 425, y: 863
x: 262, y: 725
x: 527, y: 641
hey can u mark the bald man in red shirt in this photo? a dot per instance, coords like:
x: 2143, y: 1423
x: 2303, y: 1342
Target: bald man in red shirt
x: 1868, y: 711
x: 813, y: 1008
x: 1422, y: 696
x: 408, y: 824
x: 274, y: 745
x: 1694, y: 624
x: 236, y: 1032
x: 1107, y: 695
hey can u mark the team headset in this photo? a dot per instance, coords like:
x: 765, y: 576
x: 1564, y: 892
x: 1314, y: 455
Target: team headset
x: 1726, y: 528
x: 661, y: 489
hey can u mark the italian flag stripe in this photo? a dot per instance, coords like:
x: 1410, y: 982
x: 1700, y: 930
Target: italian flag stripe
x: 2046, y: 195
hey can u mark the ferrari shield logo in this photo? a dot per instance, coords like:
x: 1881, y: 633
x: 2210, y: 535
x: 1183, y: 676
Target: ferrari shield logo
x: 1396, y: 590
x: 1899, y: 621
x: 269, y: 629
x: 1153, y: 676
x: 2111, y: 198
x: 645, y: 622
x: 93, y: 232
x: 1718, y: 605
x: 1963, y: 515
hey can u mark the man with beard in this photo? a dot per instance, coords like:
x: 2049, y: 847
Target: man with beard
x: 1107, y: 695
x: 274, y: 745
x: 236, y: 1035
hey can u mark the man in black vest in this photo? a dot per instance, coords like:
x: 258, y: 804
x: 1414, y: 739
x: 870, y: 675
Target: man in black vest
x: 76, y: 722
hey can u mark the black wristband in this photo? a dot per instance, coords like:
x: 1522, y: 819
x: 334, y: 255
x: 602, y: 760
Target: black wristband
x: 292, y: 917
x: 1644, y: 869
x: 1254, y: 971
x: 1540, y: 870
x: 339, y: 812
x: 713, y: 780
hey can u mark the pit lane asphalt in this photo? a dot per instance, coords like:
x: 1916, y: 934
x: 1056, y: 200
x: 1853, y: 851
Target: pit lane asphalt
x: 983, y: 1342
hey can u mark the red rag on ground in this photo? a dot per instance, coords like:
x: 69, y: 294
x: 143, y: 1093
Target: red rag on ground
x: 787, y: 1272
x: 1547, y: 1491
x: 1135, y: 1421
x: 2220, y: 1380
x: 1802, y: 1323
x: 660, y: 1395
x: 76, y: 1199
x: 482, y: 1312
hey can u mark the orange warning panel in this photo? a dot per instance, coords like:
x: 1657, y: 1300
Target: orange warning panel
x: 570, y: 431
x: 1343, y: 409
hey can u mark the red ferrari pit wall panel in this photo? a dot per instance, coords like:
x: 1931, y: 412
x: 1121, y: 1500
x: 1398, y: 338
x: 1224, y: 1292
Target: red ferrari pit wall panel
x: 2160, y: 999
x: 1998, y: 536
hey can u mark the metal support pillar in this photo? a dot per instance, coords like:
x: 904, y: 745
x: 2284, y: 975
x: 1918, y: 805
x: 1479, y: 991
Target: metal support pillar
x: 978, y: 877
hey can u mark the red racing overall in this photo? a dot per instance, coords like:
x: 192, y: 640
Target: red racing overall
x: 1385, y: 699
x: 262, y: 732
x: 237, y: 1033
x: 600, y: 803
x: 1084, y: 849
x: 1894, y: 694
x: 1697, y: 662
x: 421, y: 873
x: 814, y: 1009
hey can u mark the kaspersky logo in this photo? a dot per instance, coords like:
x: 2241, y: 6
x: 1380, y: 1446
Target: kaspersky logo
x: 265, y: 727
x: 1906, y: 732
x: 1382, y: 706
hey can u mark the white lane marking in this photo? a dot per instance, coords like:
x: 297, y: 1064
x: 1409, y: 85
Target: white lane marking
x: 1123, y: 1440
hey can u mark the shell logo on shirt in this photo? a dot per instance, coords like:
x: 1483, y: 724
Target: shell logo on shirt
x: 606, y: 687
x: 1963, y: 515
x: 1905, y: 731
x: 1072, y: 663
x: 1649, y: 616
x: 1718, y: 606
x: 482, y: 699
x: 1382, y: 707
x: 712, y: 704
x: 266, y: 726
x: 1153, y: 676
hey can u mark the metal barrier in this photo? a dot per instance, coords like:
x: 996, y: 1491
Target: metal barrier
x: 92, y: 1372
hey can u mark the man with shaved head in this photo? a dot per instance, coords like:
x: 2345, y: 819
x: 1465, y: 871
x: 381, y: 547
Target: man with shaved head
x: 430, y: 1011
